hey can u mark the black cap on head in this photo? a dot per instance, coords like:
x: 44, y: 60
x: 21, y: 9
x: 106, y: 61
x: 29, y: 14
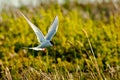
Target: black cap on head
x: 52, y: 43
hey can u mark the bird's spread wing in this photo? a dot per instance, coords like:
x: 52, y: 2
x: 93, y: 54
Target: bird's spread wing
x: 53, y: 29
x: 38, y: 33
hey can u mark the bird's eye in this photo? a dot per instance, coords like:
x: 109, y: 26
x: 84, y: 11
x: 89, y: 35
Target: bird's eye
x: 52, y: 43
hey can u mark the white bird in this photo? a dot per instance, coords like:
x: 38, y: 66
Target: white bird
x: 45, y: 41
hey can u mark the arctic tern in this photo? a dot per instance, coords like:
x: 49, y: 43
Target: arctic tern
x: 45, y: 41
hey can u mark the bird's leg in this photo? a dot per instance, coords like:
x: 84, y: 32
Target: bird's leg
x: 44, y: 50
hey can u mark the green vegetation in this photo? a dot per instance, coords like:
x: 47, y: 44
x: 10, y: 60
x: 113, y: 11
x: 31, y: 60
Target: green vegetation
x: 87, y: 44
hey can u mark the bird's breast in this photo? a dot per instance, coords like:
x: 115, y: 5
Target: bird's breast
x: 45, y: 44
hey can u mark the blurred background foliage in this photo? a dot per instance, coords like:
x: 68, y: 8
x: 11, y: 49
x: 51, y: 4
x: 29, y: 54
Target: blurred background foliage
x: 71, y: 52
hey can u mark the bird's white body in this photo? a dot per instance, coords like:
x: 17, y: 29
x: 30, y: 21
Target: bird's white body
x: 45, y: 44
x: 44, y: 41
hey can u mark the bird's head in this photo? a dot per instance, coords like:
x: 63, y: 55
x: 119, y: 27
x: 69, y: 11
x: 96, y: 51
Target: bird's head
x: 52, y: 43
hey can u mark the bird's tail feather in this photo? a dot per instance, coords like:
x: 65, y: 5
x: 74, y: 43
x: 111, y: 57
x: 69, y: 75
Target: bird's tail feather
x: 34, y: 48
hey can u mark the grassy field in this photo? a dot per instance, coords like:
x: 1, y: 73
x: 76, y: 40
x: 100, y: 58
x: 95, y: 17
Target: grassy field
x: 87, y: 44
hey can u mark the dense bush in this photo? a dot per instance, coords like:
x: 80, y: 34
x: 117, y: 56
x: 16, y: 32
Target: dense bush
x: 72, y: 52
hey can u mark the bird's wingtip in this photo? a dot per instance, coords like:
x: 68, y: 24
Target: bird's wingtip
x: 56, y: 17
